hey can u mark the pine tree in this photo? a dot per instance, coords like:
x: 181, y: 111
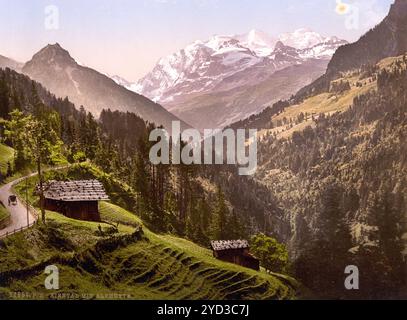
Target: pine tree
x: 385, y: 210
x: 142, y: 179
x: 4, y: 100
x: 193, y: 224
x: 9, y: 172
x: 236, y: 227
x: 327, y: 255
x: 205, y: 213
x: 220, y: 227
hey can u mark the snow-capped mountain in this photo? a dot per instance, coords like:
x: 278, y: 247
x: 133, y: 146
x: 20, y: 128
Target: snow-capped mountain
x: 197, y: 68
x: 225, y: 63
x: 202, y: 65
x: 302, y: 38
x: 322, y: 50
x: 259, y: 42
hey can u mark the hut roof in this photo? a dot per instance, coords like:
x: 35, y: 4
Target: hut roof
x: 81, y: 190
x: 229, y: 244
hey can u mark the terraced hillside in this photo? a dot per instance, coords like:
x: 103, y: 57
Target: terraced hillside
x: 131, y: 263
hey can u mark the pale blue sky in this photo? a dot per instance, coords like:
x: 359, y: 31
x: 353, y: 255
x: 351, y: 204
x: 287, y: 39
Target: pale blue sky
x: 127, y: 37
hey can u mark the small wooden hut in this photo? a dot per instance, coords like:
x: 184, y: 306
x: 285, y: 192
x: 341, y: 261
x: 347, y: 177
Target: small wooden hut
x: 75, y: 199
x: 235, y: 251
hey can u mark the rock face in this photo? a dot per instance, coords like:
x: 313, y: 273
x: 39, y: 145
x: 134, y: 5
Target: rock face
x: 223, y: 66
x: 387, y: 39
x: 62, y: 75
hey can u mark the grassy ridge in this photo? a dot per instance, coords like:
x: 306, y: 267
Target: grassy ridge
x: 152, y: 267
x: 324, y: 103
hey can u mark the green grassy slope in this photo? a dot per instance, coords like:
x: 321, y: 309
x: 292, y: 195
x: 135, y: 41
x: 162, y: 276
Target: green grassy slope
x: 3, y: 212
x: 324, y: 103
x: 136, y: 265
x: 6, y: 155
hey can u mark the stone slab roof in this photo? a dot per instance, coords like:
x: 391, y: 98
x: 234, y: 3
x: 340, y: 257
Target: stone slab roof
x: 80, y: 190
x: 229, y: 244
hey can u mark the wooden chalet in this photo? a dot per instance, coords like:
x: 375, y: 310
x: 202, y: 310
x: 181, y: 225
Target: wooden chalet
x: 75, y: 199
x: 235, y: 251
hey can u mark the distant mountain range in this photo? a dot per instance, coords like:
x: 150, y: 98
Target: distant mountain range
x: 209, y: 84
x: 204, y: 82
x: 201, y: 66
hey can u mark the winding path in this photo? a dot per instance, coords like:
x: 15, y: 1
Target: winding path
x: 18, y: 212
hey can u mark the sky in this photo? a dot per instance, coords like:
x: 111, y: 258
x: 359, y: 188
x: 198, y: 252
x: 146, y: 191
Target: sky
x: 128, y: 37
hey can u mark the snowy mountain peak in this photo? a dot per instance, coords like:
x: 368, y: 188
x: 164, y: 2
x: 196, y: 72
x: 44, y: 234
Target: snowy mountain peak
x: 256, y: 37
x: 219, y: 43
x: 302, y: 38
x: 258, y: 41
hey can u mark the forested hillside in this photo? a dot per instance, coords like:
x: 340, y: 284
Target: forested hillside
x: 341, y: 183
x: 184, y: 200
x: 171, y: 200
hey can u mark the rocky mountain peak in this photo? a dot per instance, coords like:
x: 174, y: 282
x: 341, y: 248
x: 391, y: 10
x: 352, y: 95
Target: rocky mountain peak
x: 56, y: 70
x: 53, y: 54
x: 279, y: 45
x: 398, y: 13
